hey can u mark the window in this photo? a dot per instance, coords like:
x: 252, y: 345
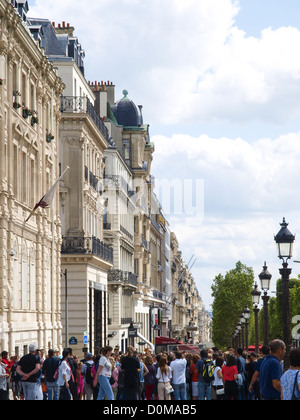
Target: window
x: 126, y: 149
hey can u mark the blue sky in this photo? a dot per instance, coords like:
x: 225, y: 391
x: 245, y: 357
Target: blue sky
x: 219, y: 81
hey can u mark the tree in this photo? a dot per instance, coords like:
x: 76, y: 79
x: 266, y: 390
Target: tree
x: 231, y: 293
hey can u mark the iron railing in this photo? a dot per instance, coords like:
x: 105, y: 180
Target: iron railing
x: 82, y: 104
x: 84, y: 245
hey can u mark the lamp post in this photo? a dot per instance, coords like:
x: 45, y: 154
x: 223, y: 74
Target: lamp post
x: 255, y: 300
x: 246, y: 314
x: 265, y: 281
x: 285, y: 240
x: 242, y: 321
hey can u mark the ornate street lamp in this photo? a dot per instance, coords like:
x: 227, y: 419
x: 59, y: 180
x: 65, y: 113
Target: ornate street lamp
x: 265, y: 281
x: 246, y: 314
x: 242, y: 321
x: 285, y: 240
x: 255, y: 300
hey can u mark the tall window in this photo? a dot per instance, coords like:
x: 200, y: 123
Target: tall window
x: 126, y: 150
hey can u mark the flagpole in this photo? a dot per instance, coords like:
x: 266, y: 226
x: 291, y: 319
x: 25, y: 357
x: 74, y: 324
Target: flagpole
x: 34, y: 209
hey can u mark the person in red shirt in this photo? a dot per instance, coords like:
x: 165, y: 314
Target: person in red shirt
x: 194, y: 374
x: 8, y: 366
x: 230, y: 374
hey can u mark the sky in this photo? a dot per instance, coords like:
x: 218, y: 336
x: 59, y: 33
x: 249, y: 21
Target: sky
x: 219, y: 81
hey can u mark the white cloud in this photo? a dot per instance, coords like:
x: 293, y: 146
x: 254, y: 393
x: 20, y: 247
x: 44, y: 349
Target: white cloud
x: 249, y: 188
x: 186, y: 60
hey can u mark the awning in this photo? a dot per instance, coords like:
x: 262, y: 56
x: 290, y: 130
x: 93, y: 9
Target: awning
x: 146, y: 341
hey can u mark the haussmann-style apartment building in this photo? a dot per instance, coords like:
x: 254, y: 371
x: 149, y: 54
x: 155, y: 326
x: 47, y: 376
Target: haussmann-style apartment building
x: 101, y: 262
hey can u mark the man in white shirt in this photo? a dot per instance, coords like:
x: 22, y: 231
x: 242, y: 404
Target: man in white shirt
x: 178, y: 367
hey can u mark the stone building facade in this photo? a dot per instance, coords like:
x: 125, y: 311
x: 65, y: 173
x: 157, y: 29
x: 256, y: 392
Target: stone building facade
x: 30, y: 92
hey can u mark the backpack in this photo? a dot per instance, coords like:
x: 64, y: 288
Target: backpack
x: 208, y: 371
x: 88, y: 374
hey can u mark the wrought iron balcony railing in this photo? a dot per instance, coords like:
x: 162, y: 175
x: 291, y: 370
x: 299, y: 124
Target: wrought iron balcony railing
x: 84, y: 245
x: 82, y: 104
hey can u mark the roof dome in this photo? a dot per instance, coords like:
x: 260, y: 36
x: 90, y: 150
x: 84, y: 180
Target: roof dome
x: 127, y: 113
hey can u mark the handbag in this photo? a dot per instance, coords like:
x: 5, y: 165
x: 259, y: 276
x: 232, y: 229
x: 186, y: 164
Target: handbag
x: 294, y: 390
x: 220, y: 391
x: 168, y: 387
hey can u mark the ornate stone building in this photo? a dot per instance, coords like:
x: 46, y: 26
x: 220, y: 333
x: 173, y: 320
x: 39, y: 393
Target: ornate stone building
x: 30, y: 92
x: 83, y: 138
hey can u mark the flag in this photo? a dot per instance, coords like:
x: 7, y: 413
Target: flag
x: 47, y: 199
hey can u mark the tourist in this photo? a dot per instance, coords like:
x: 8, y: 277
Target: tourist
x: 86, y: 372
x: 265, y: 350
x: 217, y: 384
x: 149, y: 377
x: 103, y: 375
x: 131, y: 368
x: 230, y: 375
x: 204, y: 387
x: 178, y: 367
x: 64, y: 377
x: 49, y: 368
x: 290, y: 380
x: 271, y: 371
x: 29, y: 369
x: 194, y: 374
x: 164, y: 376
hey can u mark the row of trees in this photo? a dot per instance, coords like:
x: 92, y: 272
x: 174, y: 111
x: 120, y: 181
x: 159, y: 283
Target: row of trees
x: 232, y: 293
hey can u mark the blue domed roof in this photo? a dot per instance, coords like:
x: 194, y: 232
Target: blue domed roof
x: 127, y: 113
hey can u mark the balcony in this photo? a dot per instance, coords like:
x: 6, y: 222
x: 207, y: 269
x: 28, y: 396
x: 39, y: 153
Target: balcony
x: 82, y: 104
x: 116, y: 276
x: 88, y: 246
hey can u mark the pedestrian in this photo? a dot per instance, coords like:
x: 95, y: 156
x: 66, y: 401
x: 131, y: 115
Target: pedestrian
x: 79, y: 379
x: 217, y: 383
x: 73, y: 363
x: 29, y: 369
x: 241, y: 364
x: 194, y: 377
x: 16, y: 383
x: 114, y: 376
x: 249, y: 372
x: 94, y: 372
x: 271, y: 371
x: 65, y: 377
x: 230, y: 375
x: 142, y: 373
x: 86, y: 372
x: 121, y: 376
x: 8, y: 365
x: 164, y: 376
x: 103, y: 375
x: 264, y: 351
x: 3, y: 382
x: 205, y: 369
x: 178, y: 367
x: 149, y: 377
x: 49, y: 368
x: 131, y: 367
x: 290, y: 380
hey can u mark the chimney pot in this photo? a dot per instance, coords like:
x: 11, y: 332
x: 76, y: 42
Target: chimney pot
x: 64, y: 24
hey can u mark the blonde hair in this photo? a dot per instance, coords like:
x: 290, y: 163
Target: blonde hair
x: 130, y: 351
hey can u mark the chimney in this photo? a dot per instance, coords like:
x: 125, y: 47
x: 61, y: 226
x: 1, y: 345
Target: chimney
x: 63, y: 29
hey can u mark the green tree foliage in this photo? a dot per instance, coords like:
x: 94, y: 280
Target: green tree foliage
x: 231, y: 293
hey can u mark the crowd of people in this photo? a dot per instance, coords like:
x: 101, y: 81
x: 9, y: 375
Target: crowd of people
x: 210, y: 375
